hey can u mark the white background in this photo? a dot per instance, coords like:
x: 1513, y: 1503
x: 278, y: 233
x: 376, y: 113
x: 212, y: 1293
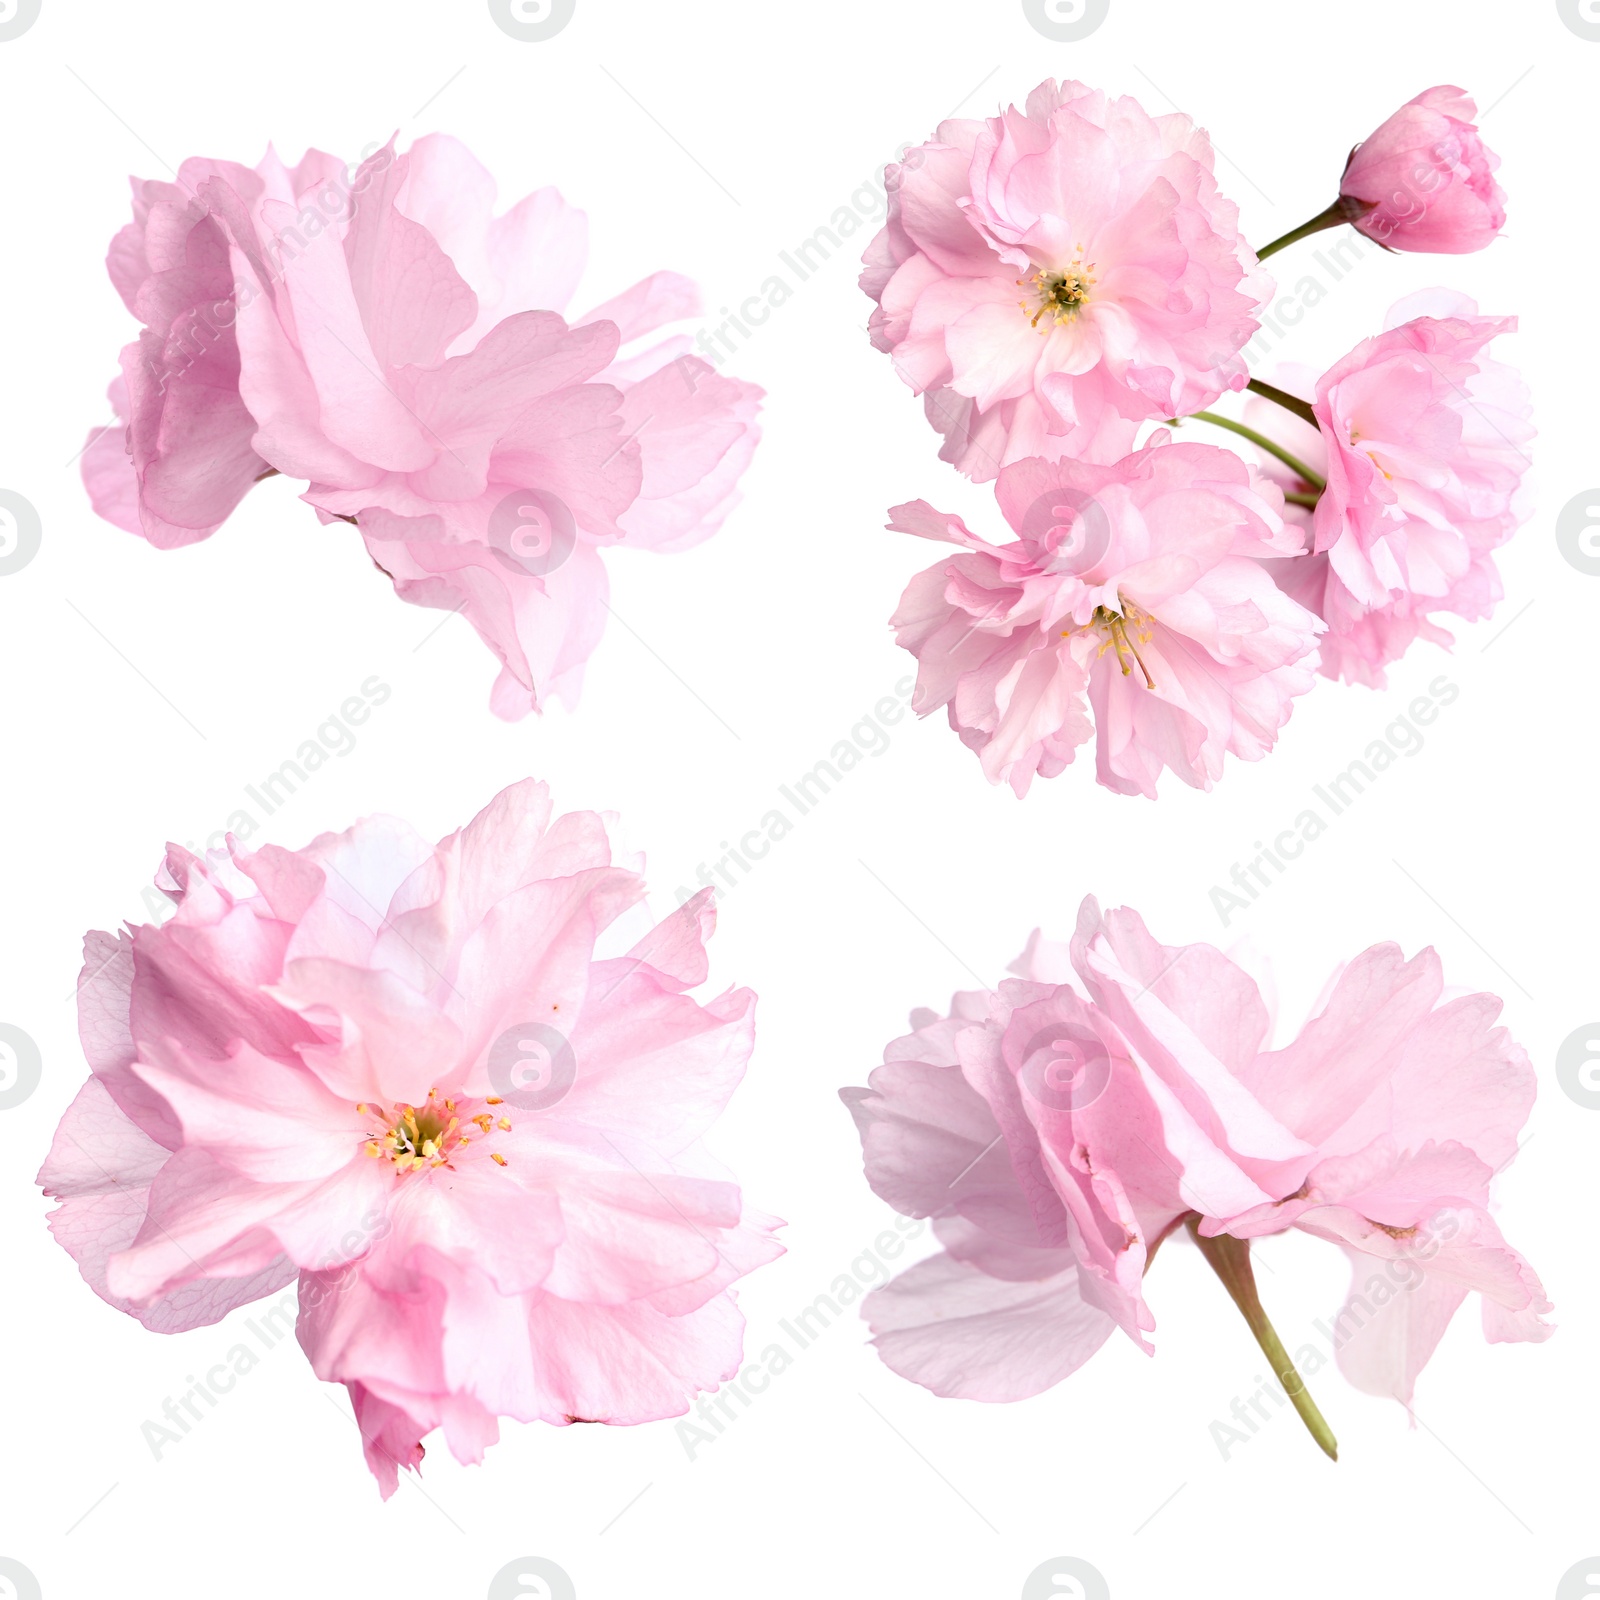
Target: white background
x: 144, y: 689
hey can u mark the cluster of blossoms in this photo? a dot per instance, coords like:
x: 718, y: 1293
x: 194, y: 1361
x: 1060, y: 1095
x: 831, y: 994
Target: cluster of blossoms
x: 386, y: 337
x: 1056, y: 279
x: 1057, y: 1134
x: 456, y: 1090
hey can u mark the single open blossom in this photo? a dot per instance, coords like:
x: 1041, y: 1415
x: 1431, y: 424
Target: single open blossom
x: 388, y: 338
x: 1140, y: 592
x: 1360, y: 643
x: 1058, y: 1133
x: 1425, y: 435
x: 1421, y: 439
x: 1425, y: 179
x: 1050, y: 277
x: 443, y: 1087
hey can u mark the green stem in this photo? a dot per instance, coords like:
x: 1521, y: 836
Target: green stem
x: 1293, y: 462
x: 1295, y: 498
x: 1280, y: 397
x: 1229, y: 1258
x: 1345, y: 209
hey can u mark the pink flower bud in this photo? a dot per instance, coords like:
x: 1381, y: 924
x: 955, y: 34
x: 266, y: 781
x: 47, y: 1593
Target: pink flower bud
x: 1428, y: 178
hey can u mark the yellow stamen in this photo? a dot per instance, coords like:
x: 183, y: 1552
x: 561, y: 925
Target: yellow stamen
x: 1113, y: 627
x: 416, y: 1138
x: 1061, y: 295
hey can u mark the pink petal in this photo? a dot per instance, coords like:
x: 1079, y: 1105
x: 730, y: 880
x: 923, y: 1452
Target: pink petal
x: 963, y: 1334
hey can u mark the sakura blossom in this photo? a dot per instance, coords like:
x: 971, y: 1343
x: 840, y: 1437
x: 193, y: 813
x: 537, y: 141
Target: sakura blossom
x: 1134, y: 606
x: 1117, y: 1093
x: 457, y: 1091
x: 386, y: 336
x: 1050, y: 277
x: 1418, y: 466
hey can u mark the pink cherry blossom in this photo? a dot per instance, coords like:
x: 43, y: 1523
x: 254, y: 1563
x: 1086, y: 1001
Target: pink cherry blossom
x: 1139, y: 591
x: 1422, y: 439
x: 1058, y: 1133
x: 1425, y: 436
x: 459, y: 1090
x: 1051, y: 276
x: 385, y: 336
x: 1359, y: 643
x: 1425, y: 180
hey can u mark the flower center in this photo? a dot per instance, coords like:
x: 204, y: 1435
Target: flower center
x: 1112, y: 626
x: 429, y: 1135
x: 1060, y: 295
x: 1357, y: 443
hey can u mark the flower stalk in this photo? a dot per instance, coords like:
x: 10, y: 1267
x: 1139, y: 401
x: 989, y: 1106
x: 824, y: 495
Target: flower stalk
x: 1271, y: 446
x: 1229, y: 1258
x: 1345, y: 209
x: 1290, y: 403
